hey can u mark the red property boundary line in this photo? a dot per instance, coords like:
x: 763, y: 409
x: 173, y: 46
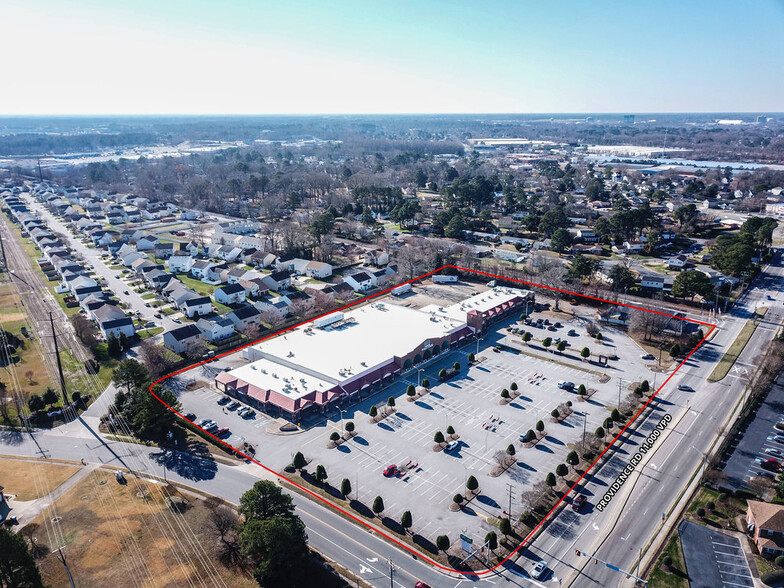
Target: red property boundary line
x: 380, y: 531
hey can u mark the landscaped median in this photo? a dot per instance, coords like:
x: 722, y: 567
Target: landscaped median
x: 729, y: 358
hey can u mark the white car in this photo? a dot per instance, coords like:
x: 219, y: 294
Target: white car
x: 539, y: 570
x: 774, y: 451
x: 451, y: 446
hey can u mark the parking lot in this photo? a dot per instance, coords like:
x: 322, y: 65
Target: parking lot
x: 713, y: 559
x: 758, y: 443
x: 471, y: 403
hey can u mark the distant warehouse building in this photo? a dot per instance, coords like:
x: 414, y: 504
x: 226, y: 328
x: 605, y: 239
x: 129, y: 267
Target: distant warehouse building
x: 330, y: 359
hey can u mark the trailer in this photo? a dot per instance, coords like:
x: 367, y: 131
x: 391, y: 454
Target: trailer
x: 444, y: 279
x: 401, y: 289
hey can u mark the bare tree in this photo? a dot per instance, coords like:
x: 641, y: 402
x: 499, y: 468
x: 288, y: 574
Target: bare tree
x: 225, y: 524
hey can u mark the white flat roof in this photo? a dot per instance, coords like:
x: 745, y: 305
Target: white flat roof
x: 309, y: 358
x: 482, y: 302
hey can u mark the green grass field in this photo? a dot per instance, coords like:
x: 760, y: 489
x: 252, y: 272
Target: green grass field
x: 734, y: 351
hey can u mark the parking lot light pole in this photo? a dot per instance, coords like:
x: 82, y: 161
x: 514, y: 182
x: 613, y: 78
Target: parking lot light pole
x: 419, y: 375
x: 341, y: 420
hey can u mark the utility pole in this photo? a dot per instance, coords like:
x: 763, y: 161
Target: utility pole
x: 585, y: 418
x: 67, y: 571
x: 2, y: 248
x: 392, y: 571
x: 59, y: 364
x: 620, y: 383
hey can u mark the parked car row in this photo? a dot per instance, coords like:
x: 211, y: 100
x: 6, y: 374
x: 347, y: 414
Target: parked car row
x: 245, y: 411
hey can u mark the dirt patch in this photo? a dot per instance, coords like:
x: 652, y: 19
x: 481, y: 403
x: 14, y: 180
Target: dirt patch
x: 29, y: 480
x: 116, y: 538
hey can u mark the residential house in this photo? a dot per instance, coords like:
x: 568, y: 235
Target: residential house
x: 238, y: 227
x: 318, y: 270
x: 196, y: 306
x: 182, y: 339
x: 230, y: 294
x: 128, y: 259
x: 587, y: 236
x: 112, y: 319
x: 766, y: 523
x: 245, y: 317
x: 228, y: 252
x: 215, y: 329
x: 299, y: 302
x: 163, y: 250
x: 199, y: 268
x: 254, y: 287
x: 180, y: 264
x: 147, y: 243
x: 217, y: 274
x: 278, y: 281
x: 678, y: 262
x: 270, y: 304
x: 360, y: 281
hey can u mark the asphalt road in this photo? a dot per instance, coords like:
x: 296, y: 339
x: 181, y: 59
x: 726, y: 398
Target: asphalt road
x: 92, y: 256
x: 634, y: 516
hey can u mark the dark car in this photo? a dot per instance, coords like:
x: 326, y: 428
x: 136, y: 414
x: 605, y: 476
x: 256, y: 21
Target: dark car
x: 224, y: 400
x: 578, y: 502
x: 558, y: 325
x: 210, y: 427
x: 233, y: 405
x: 189, y: 416
x: 222, y: 432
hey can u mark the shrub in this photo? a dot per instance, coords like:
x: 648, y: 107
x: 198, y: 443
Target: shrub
x: 442, y: 374
x: 510, y: 450
x: 645, y: 386
x: 442, y: 542
x: 411, y: 390
x: 779, y: 561
x: 471, y: 357
x: 615, y: 415
x: 555, y: 414
x: 406, y: 520
x: 667, y: 561
x: 550, y: 479
x: 438, y: 437
x: 711, y: 505
x: 504, y: 393
x: 527, y: 337
x: 569, y: 403
x: 675, y: 350
x: 456, y: 365
x: 599, y: 337
x: 530, y: 436
x: 426, y: 383
x: 599, y: 432
x: 585, y: 353
x: 334, y: 436
x: 547, y: 341
x: 506, y: 527
x: 350, y: 427
x: 450, y: 430
x: 391, y: 401
x: 491, y: 540
x: 700, y: 512
x: 378, y: 505
x: 608, y: 423
x: 581, y: 390
x: 373, y: 412
x: 472, y: 483
x: 723, y: 496
x: 513, y: 386
x: 345, y: 487
x: 458, y: 499
x: 561, y: 470
x: 540, y: 426
x: 321, y: 473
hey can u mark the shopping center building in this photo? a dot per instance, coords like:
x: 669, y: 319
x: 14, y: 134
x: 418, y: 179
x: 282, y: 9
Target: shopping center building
x: 346, y: 355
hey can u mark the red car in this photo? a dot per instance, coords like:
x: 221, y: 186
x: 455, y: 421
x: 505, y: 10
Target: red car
x: 222, y: 432
x: 390, y: 470
x: 771, y: 464
x: 421, y: 585
x: 578, y: 502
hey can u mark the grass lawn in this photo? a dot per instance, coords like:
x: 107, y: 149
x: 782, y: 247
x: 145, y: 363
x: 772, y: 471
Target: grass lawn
x: 102, y: 519
x: 660, y: 578
x: 734, y: 351
x: 148, y: 295
x: 145, y: 333
x: 196, y: 285
x: 30, y: 480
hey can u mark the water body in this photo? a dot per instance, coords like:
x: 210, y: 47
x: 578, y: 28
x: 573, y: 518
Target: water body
x: 689, y: 162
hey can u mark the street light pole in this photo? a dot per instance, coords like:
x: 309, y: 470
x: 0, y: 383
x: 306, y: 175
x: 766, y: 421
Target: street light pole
x: 419, y: 375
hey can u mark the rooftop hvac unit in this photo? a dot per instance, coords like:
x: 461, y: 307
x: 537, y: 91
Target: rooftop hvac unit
x: 263, y: 371
x: 274, y: 375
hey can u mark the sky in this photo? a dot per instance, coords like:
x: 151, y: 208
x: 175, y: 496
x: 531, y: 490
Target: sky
x: 390, y: 56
